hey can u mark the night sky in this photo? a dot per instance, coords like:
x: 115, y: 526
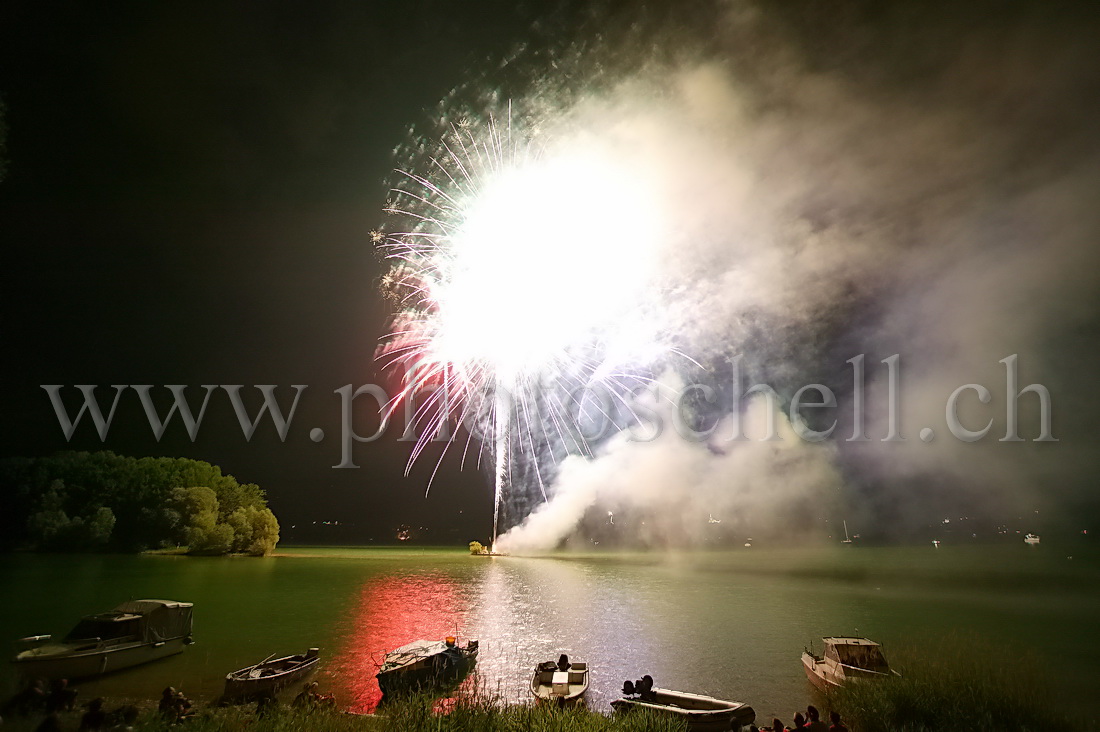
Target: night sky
x: 191, y: 189
x: 189, y: 200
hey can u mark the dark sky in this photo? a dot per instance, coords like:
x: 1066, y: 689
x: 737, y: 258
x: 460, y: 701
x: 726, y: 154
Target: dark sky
x: 190, y: 192
x: 189, y: 199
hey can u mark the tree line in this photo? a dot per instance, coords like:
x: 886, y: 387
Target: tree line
x: 100, y: 501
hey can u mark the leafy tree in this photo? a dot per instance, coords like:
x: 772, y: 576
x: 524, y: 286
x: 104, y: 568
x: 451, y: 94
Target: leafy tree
x: 218, y: 540
x: 198, y: 510
x: 256, y: 530
x: 241, y: 522
x: 265, y: 532
x: 48, y: 527
x: 100, y: 525
x: 99, y: 500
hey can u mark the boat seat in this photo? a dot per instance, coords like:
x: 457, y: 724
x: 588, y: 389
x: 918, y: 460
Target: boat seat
x: 576, y: 677
x: 578, y: 667
x: 561, y: 683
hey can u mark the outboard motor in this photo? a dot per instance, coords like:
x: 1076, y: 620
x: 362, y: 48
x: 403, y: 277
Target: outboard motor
x: 647, y: 688
x: 628, y: 688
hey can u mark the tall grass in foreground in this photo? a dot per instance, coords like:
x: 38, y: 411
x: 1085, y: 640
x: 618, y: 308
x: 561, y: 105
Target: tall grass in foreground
x: 418, y: 714
x: 484, y: 713
x: 953, y: 684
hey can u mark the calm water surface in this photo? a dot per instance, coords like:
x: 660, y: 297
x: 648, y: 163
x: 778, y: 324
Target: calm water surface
x: 730, y: 624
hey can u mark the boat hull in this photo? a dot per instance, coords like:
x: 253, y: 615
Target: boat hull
x: 239, y: 687
x: 846, y: 660
x: 701, y: 713
x: 568, y: 692
x: 437, y: 672
x: 817, y: 673
x: 95, y: 662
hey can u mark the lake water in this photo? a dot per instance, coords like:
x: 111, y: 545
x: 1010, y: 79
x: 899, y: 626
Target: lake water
x: 731, y: 624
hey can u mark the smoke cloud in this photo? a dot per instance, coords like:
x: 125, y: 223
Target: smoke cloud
x: 670, y: 481
x: 837, y: 184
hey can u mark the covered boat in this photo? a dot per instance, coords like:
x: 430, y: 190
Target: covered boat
x: 269, y: 677
x: 845, y: 659
x: 702, y: 713
x: 562, y: 683
x: 135, y: 632
x: 423, y: 665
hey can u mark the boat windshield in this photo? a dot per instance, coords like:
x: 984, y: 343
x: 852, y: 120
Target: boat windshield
x: 860, y: 656
x: 104, y: 629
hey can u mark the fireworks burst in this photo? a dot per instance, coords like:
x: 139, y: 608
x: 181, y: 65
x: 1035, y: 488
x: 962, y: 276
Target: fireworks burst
x: 522, y: 281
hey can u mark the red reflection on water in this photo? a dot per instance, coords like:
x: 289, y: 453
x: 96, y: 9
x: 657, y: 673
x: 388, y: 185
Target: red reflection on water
x: 391, y: 611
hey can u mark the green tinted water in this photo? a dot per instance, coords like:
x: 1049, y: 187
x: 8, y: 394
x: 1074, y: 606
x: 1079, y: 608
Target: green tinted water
x: 730, y: 624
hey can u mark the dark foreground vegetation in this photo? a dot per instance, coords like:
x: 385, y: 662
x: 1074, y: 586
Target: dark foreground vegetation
x: 955, y: 684
x: 412, y: 715
x: 940, y: 690
x: 99, y: 501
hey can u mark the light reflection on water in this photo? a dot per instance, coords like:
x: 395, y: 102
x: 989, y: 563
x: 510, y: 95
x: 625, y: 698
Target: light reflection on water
x: 536, y: 609
x: 692, y: 632
x: 391, y: 611
x: 731, y: 626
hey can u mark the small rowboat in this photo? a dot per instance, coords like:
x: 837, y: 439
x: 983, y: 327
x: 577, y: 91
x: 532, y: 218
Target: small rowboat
x: 702, y: 713
x: 270, y: 676
x: 551, y: 685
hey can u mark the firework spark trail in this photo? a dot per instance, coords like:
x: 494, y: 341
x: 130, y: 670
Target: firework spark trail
x: 519, y: 265
x: 502, y: 414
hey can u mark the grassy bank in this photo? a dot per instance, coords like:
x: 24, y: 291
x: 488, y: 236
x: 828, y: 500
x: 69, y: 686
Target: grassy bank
x: 956, y: 692
x: 959, y: 683
x: 416, y: 715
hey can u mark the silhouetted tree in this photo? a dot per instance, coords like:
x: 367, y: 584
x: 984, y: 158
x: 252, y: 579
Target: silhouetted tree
x: 99, y: 500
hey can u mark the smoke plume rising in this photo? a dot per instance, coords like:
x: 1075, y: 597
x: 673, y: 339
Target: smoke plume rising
x: 842, y: 183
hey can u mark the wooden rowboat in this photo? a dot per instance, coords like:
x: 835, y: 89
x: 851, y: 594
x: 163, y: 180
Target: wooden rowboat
x: 270, y: 676
x: 702, y: 713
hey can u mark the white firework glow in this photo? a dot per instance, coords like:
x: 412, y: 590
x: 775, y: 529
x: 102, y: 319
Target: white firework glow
x: 523, y: 266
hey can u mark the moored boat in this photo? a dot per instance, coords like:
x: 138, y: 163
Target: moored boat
x: 702, y: 713
x: 270, y: 676
x: 846, y: 659
x: 424, y: 664
x: 562, y: 683
x: 135, y: 632
x: 1032, y: 539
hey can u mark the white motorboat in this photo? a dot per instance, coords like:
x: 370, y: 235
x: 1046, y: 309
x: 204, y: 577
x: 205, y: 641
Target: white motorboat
x: 846, y: 659
x: 135, y: 632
